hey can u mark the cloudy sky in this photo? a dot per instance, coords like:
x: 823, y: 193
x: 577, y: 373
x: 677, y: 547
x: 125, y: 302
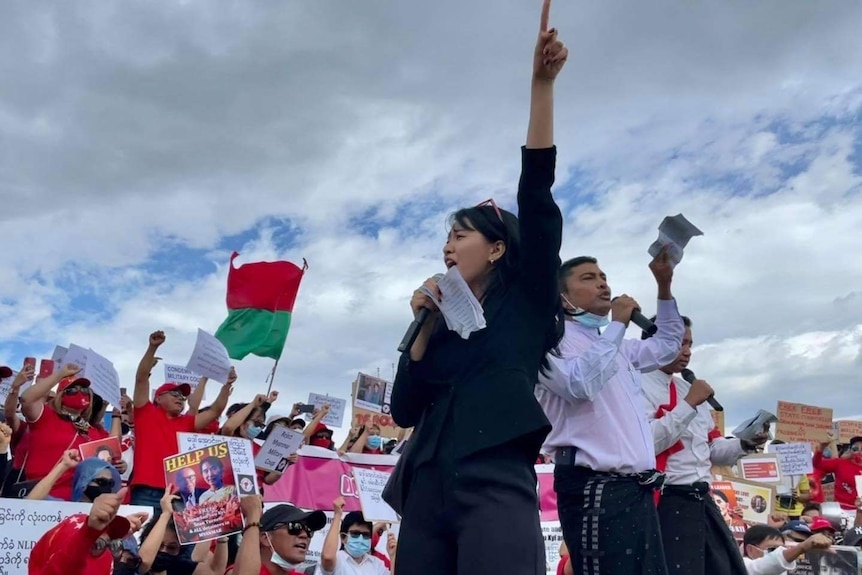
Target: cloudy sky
x: 141, y: 143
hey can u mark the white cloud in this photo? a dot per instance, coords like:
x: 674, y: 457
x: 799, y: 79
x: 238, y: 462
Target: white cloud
x: 130, y: 129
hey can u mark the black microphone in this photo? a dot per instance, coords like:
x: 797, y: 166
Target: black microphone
x: 689, y: 376
x: 642, y: 321
x: 413, y: 330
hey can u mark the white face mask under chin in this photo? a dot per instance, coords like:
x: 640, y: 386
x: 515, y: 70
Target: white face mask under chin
x: 278, y: 559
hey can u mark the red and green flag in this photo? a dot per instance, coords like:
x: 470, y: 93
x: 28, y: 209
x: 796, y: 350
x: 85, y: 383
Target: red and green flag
x: 260, y: 298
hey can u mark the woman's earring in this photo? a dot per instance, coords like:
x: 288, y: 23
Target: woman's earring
x: 491, y: 261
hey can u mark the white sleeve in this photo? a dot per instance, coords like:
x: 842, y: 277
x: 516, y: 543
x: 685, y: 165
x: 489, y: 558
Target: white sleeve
x: 770, y: 564
x: 662, y: 348
x: 725, y: 451
x: 668, y: 429
x: 582, y: 377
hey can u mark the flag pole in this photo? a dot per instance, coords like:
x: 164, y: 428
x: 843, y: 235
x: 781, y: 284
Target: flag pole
x: 271, y: 377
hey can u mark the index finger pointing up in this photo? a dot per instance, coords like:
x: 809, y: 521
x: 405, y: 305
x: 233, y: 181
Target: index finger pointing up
x: 546, y: 16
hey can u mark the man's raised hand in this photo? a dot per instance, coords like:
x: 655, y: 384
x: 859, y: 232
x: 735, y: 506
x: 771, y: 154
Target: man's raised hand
x: 550, y: 54
x: 157, y: 338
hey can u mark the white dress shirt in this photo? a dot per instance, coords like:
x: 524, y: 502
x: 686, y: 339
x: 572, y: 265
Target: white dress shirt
x: 347, y: 565
x: 593, y: 397
x: 770, y: 564
x: 691, y: 426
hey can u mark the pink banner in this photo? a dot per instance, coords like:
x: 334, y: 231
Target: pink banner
x: 315, y: 482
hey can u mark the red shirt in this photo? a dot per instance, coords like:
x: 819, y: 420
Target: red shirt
x: 155, y: 439
x: 50, y: 436
x: 20, y: 445
x: 64, y: 550
x: 845, y: 477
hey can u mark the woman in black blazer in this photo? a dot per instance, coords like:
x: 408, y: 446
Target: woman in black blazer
x: 468, y: 486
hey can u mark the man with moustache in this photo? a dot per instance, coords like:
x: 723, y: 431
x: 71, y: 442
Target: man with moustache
x: 696, y: 538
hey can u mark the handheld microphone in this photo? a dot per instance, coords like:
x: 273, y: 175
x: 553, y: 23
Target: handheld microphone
x: 689, y: 376
x: 642, y: 321
x: 413, y: 330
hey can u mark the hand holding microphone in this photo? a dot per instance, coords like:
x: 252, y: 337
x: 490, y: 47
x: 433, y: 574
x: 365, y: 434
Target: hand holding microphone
x: 700, y: 391
x: 625, y: 309
x: 423, y: 306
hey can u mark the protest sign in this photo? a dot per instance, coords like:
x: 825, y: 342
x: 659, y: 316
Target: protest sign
x: 23, y: 522
x: 846, y: 430
x: 204, y: 514
x: 6, y: 386
x: 335, y: 417
x: 179, y: 374
x: 241, y: 450
x: 798, y: 423
x: 762, y: 467
x: 369, y: 488
x: 107, y: 449
x: 756, y: 500
x: 59, y: 355
x: 104, y: 379
x: 371, y: 396
x: 838, y: 560
x: 209, y: 358
x: 718, y: 420
x: 281, y: 443
x: 75, y: 355
x: 794, y: 458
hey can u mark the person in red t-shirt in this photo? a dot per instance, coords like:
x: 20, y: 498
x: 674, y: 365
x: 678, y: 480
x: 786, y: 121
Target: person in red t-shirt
x: 57, y: 426
x: 157, y: 424
x: 845, y: 469
x: 60, y: 550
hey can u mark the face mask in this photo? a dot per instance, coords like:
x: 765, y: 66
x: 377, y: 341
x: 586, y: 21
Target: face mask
x: 856, y: 457
x: 374, y: 441
x: 78, y: 402
x: 584, y: 317
x: 253, y: 430
x: 93, y: 491
x: 356, y: 547
x: 827, y: 453
x: 321, y: 442
x: 278, y: 560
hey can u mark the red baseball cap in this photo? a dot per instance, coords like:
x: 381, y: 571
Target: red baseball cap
x: 5, y: 372
x: 821, y: 524
x: 321, y: 428
x: 69, y: 382
x: 183, y: 388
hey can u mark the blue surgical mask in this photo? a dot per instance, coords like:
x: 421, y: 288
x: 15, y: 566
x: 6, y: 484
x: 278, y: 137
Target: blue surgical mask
x: 374, y: 441
x: 827, y: 453
x: 253, y: 430
x: 357, y: 546
x: 591, y: 320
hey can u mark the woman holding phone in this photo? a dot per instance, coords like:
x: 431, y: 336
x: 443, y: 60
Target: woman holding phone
x: 467, y: 481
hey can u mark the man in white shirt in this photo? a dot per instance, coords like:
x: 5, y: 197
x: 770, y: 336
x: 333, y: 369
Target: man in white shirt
x: 353, y: 535
x: 697, y: 540
x: 601, y: 442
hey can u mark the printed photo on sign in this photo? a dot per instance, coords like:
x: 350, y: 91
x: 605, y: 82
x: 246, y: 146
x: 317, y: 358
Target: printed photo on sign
x: 371, y: 394
x: 108, y: 449
x: 208, y: 499
x: 725, y: 499
x: 763, y: 468
x: 241, y: 451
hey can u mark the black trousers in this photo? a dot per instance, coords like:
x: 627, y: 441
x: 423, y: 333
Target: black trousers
x: 475, y: 516
x: 610, y: 523
x: 696, y: 538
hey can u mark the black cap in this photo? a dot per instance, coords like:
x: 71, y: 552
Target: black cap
x: 284, y: 513
x: 853, y: 537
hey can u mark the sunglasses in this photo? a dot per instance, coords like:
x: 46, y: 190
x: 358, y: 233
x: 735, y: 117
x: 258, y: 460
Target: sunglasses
x: 114, y: 545
x: 175, y: 393
x: 493, y: 204
x: 74, y: 390
x: 295, y: 529
x: 103, y: 482
x: 357, y: 534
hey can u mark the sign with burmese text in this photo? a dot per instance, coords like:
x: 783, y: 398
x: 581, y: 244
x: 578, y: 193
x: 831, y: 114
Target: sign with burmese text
x: 800, y: 423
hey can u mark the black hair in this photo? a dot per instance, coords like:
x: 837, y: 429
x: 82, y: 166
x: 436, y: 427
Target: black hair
x: 97, y: 403
x: 145, y: 532
x: 569, y: 265
x: 234, y: 408
x: 811, y: 507
x: 757, y: 534
x: 213, y: 461
x: 498, y: 225
x: 354, y: 518
x: 685, y: 321
x: 721, y: 495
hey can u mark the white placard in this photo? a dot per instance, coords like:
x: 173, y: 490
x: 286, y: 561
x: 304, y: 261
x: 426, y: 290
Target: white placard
x: 335, y: 417
x: 59, y: 355
x: 241, y: 452
x: 180, y: 374
x: 210, y: 358
x: 6, y: 386
x: 104, y: 379
x: 75, y: 355
x: 23, y: 522
x: 369, y: 486
x: 281, y: 444
x: 794, y: 458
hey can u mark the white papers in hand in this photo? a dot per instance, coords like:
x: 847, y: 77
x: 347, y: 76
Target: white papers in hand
x: 751, y: 427
x: 674, y: 232
x: 210, y: 358
x: 460, y: 308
